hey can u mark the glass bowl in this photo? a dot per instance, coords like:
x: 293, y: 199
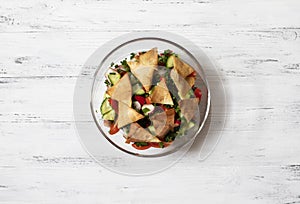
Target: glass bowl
x: 99, y: 88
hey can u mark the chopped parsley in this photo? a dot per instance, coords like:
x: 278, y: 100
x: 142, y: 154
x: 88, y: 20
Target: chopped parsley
x: 140, y: 144
x: 107, y: 82
x: 132, y: 55
x: 125, y: 65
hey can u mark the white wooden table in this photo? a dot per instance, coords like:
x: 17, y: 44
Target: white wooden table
x: 256, y: 46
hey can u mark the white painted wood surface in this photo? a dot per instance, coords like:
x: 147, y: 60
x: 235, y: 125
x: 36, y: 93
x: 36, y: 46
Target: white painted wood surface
x: 256, y: 46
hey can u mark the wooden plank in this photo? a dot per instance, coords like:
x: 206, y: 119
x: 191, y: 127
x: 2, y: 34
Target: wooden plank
x: 255, y: 45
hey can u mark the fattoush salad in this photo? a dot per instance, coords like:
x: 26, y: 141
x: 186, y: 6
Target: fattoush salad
x: 151, y: 97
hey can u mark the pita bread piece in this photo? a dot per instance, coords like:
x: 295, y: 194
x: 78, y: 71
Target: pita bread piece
x: 140, y: 134
x: 188, y: 107
x: 127, y: 115
x: 191, y: 80
x: 122, y: 90
x: 181, y: 84
x: 163, y: 122
x: 144, y: 74
x: 149, y: 58
x: 182, y: 68
x: 145, y: 67
x: 161, y: 94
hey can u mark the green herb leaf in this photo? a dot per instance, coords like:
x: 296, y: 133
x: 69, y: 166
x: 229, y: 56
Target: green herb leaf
x: 125, y: 65
x: 132, y: 55
x: 139, y: 144
x: 170, y: 136
x: 161, y: 145
x: 107, y: 82
x: 177, y: 109
x: 145, y: 110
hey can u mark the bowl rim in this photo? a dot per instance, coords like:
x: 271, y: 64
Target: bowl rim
x: 204, y: 79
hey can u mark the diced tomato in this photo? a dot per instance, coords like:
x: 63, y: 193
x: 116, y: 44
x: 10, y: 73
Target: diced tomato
x: 198, y: 93
x: 141, y: 147
x: 114, y: 104
x: 177, y: 122
x: 122, y: 72
x: 193, y: 74
x: 163, y: 79
x: 113, y: 129
x: 148, y: 100
x: 167, y: 144
x: 140, y: 99
x: 155, y: 144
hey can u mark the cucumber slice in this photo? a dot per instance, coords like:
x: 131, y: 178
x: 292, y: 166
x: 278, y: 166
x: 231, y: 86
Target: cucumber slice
x: 147, y: 108
x: 105, y: 107
x: 170, y: 61
x: 190, y: 125
x: 138, y: 89
x: 185, y: 127
x: 106, y: 95
x: 152, y: 130
x: 110, y: 115
x: 114, y: 77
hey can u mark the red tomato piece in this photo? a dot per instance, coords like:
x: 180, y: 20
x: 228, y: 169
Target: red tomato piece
x: 167, y: 144
x: 114, y: 104
x: 154, y: 144
x: 198, y: 93
x: 193, y: 74
x: 113, y: 129
x: 177, y: 122
x: 140, y: 99
x: 148, y: 100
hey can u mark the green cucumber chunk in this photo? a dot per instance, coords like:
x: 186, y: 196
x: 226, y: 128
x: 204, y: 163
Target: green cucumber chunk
x: 170, y: 61
x: 190, y: 125
x: 114, y: 77
x: 140, y: 91
x: 152, y: 130
x: 137, y: 89
x: 105, y: 107
x: 110, y: 115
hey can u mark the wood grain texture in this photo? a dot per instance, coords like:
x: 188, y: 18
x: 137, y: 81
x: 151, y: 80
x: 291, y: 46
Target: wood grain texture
x: 256, y: 47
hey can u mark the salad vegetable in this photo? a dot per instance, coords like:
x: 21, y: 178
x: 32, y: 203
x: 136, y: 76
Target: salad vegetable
x: 151, y: 97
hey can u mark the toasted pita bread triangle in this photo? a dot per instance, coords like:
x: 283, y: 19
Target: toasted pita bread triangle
x: 161, y: 94
x: 188, y: 107
x: 127, y: 115
x: 163, y: 122
x: 181, y: 84
x: 140, y: 134
x: 121, y: 91
x: 133, y: 65
x: 182, y: 68
x: 190, y: 80
x: 111, y: 90
x: 149, y: 58
x: 144, y: 74
x: 144, y: 68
